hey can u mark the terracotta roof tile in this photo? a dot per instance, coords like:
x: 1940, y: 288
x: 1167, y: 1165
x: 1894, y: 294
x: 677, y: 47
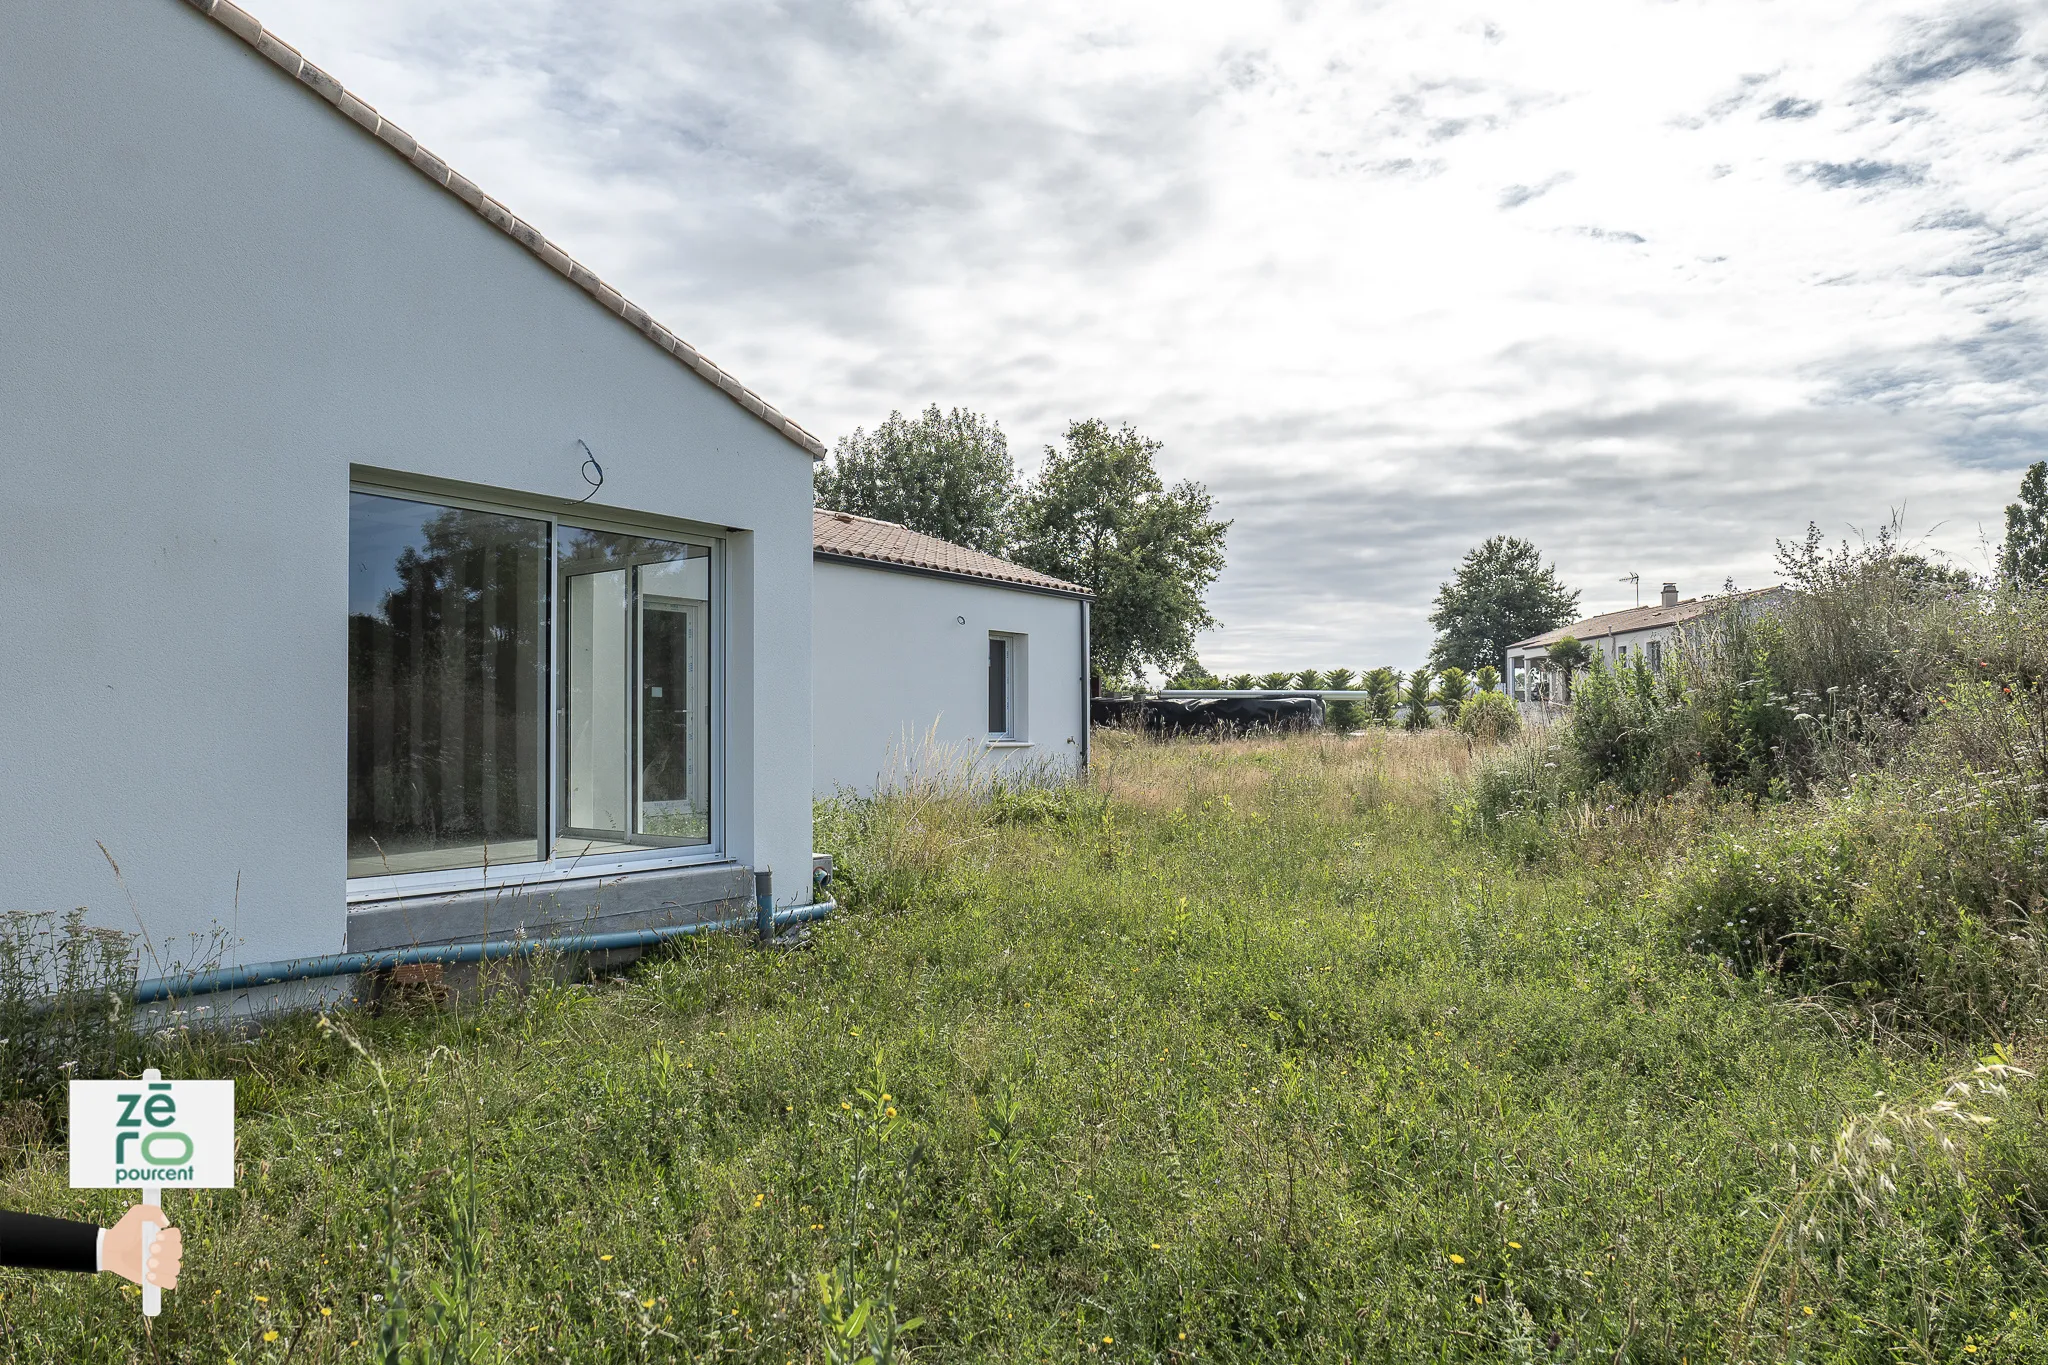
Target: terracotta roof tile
x: 842, y: 535
x: 239, y: 22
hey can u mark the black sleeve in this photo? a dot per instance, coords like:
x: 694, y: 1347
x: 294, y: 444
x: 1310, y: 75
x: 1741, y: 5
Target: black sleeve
x: 38, y: 1243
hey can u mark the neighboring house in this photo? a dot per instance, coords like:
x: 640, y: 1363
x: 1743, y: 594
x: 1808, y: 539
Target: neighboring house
x: 376, y: 574
x: 933, y: 659
x: 1618, y: 637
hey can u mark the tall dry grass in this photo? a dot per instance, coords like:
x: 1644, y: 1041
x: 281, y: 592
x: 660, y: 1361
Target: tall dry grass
x: 1342, y: 774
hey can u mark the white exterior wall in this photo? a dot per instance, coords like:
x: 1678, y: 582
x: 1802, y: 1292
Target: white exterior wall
x: 901, y: 677
x: 219, y: 296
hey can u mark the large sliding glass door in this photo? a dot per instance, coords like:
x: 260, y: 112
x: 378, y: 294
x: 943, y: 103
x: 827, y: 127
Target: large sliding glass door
x: 463, y: 622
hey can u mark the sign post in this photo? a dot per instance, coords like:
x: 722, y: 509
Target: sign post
x: 152, y: 1135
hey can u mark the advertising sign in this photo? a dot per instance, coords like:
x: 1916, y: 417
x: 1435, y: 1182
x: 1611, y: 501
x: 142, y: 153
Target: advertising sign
x: 170, y: 1135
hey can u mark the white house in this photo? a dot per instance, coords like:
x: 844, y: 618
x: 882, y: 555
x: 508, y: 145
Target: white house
x: 931, y: 657
x: 376, y: 575
x: 1618, y: 637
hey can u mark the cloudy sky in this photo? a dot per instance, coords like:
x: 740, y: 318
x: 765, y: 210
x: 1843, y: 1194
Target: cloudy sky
x: 1649, y: 282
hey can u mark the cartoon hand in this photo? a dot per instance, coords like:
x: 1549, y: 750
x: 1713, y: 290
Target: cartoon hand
x: 122, y: 1251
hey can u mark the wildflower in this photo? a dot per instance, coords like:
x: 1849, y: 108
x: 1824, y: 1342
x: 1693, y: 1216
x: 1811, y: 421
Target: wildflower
x: 271, y: 1335
x: 1456, y: 1259
x: 606, y: 1257
x: 327, y: 1312
x: 1516, y: 1245
x: 1155, y: 1246
x: 647, y: 1303
x: 844, y: 1105
x: 1107, y: 1340
x: 261, y: 1299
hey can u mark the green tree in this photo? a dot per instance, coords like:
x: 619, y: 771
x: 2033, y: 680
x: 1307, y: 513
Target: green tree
x: 1308, y: 680
x: 1418, y: 698
x: 1502, y: 593
x: 1241, y: 682
x: 1385, y: 686
x: 2023, y: 560
x: 1488, y: 679
x: 946, y: 474
x: 1452, y: 689
x: 1275, y: 682
x: 1346, y: 715
x: 1099, y: 515
x: 1570, y: 655
x: 1192, y: 675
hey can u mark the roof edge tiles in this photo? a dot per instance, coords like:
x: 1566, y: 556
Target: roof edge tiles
x: 1629, y: 620
x: 243, y: 25
x: 853, y: 539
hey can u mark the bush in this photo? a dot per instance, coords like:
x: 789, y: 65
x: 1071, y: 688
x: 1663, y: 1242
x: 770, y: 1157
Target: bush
x: 1919, y: 904
x: 1490, y: 716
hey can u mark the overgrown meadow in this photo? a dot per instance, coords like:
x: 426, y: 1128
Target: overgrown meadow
x: 1245, y: 1051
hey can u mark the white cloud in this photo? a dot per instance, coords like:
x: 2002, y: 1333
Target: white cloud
x: 1650, y: 283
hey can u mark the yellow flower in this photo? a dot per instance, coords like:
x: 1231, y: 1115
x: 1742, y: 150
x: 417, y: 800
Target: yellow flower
x: 271, y: 1335
x: 1456, y: 1259
x: 1155, y: 1246
x: 1107, y: 1340
x: 604, y: 1258
x: 1970, y: 1346
x: 1516, y: 1245
x: 1479, y: 1298
x: 647, y: 1303
x: 886, y: 1097
x: 327, y: 1312
x: 892, y: 1112
x: 844, y: 1105
x: 1183, y: 1336
x: 261, y: 1299
x: 1808, y: 1308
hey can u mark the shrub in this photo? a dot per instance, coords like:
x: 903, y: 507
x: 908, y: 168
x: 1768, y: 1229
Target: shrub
x: 1488, y: 679
x: 1489, y: 715
x: 1516, y: 794
x: 1920, y: 906
x: 66, y: 1005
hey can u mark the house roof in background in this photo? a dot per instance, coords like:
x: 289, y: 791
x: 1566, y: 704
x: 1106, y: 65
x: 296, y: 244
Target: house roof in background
x: 239, y: 22
x: 842, y: 535
x: 1635, y: 618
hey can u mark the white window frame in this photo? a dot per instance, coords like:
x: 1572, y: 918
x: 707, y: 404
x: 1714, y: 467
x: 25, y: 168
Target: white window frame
x: 1016, y: 657
x: 555, y: 512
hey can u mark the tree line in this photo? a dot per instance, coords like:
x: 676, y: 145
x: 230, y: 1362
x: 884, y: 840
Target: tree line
x: 1097, y: 514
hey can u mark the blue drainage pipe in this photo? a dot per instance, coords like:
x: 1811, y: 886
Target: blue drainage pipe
x: 347, y: 964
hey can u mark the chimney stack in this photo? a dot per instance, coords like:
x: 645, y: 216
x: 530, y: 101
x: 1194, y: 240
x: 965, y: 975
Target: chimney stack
x: 1670, y: 594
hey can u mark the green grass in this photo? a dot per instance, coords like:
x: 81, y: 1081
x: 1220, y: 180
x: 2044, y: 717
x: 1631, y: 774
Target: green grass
x: 1239, y: 1056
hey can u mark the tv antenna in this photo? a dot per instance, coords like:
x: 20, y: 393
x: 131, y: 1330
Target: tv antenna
x: 1637, y: 580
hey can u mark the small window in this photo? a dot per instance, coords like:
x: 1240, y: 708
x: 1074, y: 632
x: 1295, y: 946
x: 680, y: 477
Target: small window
x: 1005, y: 700
x: 1656, y: 656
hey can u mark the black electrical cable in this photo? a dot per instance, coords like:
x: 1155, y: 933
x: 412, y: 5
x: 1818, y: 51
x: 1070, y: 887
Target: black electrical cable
x: 590, y: 463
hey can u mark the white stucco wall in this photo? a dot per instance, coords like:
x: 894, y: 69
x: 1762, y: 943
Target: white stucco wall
x: 901, y: 680
x: 218, y: 296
